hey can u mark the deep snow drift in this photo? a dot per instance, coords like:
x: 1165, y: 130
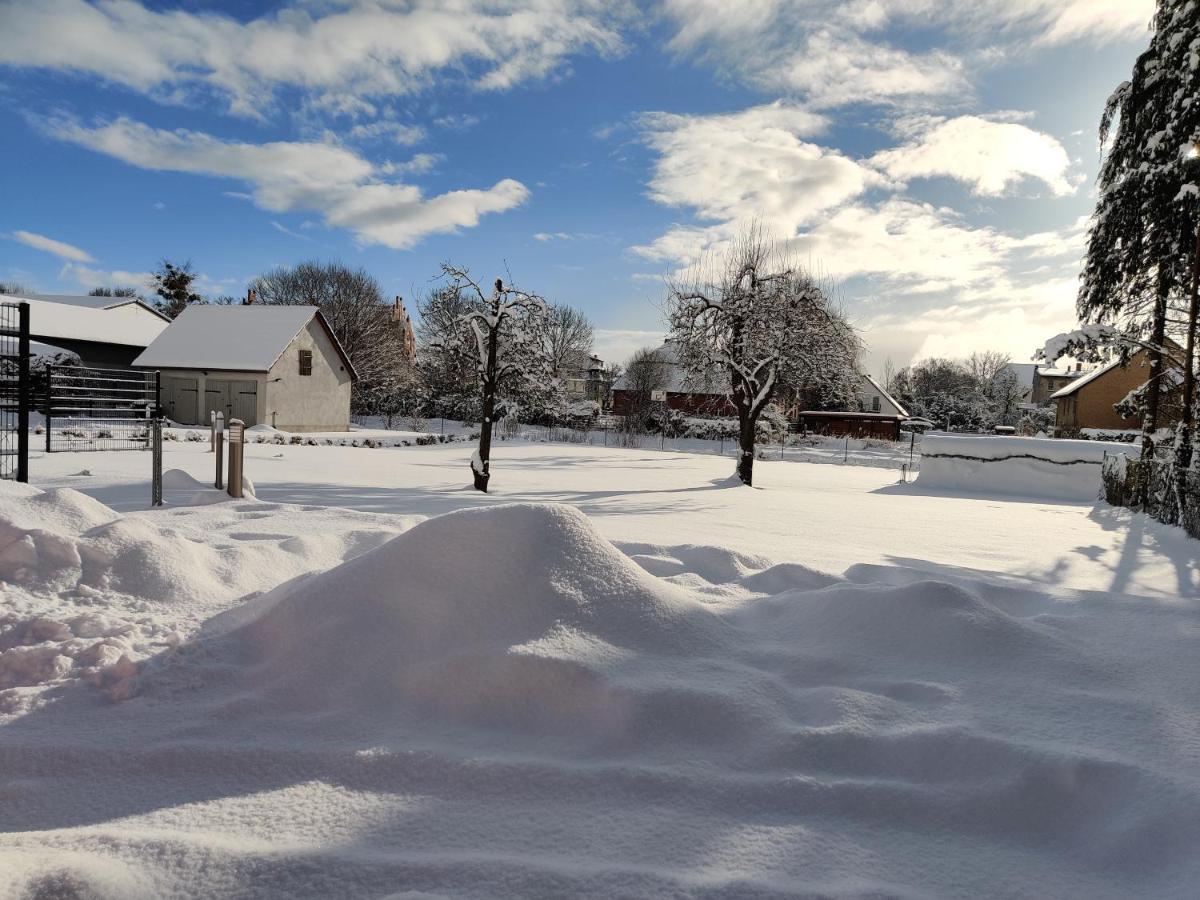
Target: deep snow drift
x: 499, y: 702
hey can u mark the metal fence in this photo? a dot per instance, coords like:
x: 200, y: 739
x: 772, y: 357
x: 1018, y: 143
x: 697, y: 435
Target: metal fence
x: 99, y: 409
x: 14, y: 391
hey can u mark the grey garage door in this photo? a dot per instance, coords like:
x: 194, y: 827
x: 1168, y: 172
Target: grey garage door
x: 234, y: 399
x: 179, y: 399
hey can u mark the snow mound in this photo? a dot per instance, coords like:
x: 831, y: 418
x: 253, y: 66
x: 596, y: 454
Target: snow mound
x: 722, y: 572
x: 509, y: 613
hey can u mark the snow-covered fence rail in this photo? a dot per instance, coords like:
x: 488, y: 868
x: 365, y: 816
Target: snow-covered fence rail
x: 1029, y: 467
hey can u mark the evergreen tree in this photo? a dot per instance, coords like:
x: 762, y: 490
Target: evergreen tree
x: 173, y: 284
x: 1141, y: 242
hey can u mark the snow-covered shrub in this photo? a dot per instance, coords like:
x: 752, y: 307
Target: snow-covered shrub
x: 426, y: 440
x: 194, y: 436
x: 296, y: 439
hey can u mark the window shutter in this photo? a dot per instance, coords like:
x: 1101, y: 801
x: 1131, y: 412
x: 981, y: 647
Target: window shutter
x: 305, y: 362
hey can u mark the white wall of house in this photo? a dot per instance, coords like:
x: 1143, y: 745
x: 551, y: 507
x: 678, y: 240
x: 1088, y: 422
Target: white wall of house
x: 282, y: 397
x: 875, y: 401
x: 316, y: 402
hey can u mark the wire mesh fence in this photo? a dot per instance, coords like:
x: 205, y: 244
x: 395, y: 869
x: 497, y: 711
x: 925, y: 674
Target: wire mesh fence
x: 99, y: 409
x: 14, y: 391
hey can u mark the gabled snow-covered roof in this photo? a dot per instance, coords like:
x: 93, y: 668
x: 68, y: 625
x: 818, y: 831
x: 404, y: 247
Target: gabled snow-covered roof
x: 232, y: 338
x: 126, y: 324
x: 90, y: 302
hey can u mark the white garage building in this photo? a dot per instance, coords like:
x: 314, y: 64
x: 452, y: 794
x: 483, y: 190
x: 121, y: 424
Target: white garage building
x: 266, y: 365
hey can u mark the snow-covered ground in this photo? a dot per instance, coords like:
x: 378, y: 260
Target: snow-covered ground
x: 638, y: 681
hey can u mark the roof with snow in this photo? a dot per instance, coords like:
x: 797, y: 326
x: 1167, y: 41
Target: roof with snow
x: 233, y: 338
x: 92, y: 302
x: 126, y: 322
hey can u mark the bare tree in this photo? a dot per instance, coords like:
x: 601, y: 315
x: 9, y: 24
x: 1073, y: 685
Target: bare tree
x: 353, y: 304
x: 568, y: 338
x: 12, y: 288
x: 768, y: 325
x: 504, y: 333
x: 646, y: 372
x: 985, y: 366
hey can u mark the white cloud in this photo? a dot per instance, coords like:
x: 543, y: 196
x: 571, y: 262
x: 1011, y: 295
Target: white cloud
x: 339, y: 53
x: 545, y: 236
x: 752, y: 163
x: 989, y: 156
x: 287, y: 176
x: 61, y: 249
x: 404, y: 135
x: 89, y: 278
x: 833, y: 53
x: 419, y: 164
x: 910, y: 261
x: 615, y: 345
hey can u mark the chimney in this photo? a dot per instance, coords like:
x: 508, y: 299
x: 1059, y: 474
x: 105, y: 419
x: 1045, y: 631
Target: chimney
x: 250, y: 298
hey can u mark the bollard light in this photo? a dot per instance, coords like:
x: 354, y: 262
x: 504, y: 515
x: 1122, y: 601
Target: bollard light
x: 237, y: 441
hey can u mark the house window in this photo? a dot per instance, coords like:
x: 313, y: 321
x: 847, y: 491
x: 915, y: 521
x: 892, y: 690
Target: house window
x: 305, y: 362
x: 875, y: 404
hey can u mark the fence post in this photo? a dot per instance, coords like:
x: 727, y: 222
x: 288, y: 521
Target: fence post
x: 219, y: 450
x: 49, y: 401
x: 24, y: 392
x: 156, y: 457
x: 846, y: 452
x: 237, y: 441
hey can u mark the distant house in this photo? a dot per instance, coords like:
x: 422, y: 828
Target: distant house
x: 266, y: 365
x: 106, y: 332
x: 1040, y: 383
x: 1088, y: 401
x: 583, y: 378
x: 879, y: 415
x: 707, y: 397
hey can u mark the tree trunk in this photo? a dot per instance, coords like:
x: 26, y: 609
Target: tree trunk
x: 745, y: 460
x: 481, y: 466
x: 1158, y: 330
x: 1183, y: 449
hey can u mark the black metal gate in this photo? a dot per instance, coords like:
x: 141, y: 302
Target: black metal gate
x: 99, y: 409
x: 14, y: 391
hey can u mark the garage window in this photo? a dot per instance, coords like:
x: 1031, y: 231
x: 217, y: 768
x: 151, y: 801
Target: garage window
x: 305, y: 362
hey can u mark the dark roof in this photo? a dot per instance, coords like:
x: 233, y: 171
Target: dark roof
x: 841, y: 414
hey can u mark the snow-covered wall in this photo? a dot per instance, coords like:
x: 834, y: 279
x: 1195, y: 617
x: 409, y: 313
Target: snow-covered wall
x: 1028, y: 467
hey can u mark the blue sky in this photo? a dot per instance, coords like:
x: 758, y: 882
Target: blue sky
x: 935, y: 159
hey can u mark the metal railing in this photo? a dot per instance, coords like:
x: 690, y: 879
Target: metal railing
x: 99, y: 409
x: 14, y: 391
